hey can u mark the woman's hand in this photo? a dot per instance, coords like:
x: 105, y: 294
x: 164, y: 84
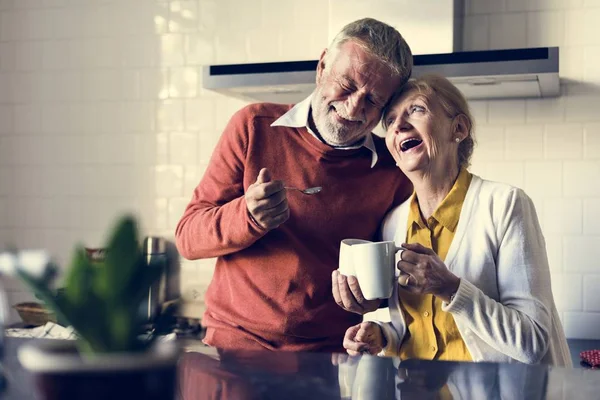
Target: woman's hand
x: 347, y: 294
x: 422, y: 272
x: 364, y: 337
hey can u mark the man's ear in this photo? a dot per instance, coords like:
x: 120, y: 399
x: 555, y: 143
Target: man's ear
x: 461, y: 127
x: 321, y: 66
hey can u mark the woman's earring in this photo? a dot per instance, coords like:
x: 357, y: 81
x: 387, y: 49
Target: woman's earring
x: 457, y: 140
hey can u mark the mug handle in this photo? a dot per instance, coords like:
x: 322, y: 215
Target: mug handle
x: 396, y: 250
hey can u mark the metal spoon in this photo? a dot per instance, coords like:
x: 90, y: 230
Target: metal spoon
x: 312, y: 190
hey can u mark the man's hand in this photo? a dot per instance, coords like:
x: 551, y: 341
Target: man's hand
x: 366, y: 337
x: 267, y: 202
x: 347, y: 294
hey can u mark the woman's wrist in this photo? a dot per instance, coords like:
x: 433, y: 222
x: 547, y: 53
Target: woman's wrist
x: 447, y: 293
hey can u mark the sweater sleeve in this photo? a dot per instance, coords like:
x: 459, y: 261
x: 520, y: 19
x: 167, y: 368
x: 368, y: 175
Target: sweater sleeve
x: 517, y: 325
x: 216, y: 222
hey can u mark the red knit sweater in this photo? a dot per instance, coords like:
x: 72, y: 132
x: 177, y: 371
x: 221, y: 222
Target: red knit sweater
x: 273, y: 289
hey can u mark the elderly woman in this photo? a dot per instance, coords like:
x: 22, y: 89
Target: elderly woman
x: 473, y: 282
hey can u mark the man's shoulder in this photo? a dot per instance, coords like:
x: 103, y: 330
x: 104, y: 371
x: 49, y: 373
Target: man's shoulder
x: 385, y: 159
x: 270, y: 111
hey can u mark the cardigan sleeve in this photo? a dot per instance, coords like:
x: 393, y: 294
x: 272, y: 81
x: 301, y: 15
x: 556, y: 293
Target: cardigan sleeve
x: 517, y: 325
x: 216, y: 222
x: 392, y: 347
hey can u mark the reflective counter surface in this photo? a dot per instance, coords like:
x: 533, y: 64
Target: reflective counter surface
x: 272, y: 375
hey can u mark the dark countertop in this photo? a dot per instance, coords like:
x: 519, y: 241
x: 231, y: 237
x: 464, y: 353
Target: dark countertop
x: 289, y: 376
x: 576, y: 346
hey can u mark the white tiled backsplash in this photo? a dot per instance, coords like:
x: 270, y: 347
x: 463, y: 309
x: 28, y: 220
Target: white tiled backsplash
x: 102, y: 111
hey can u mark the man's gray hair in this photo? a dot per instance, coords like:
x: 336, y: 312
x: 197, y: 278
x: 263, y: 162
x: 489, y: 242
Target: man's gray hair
x: 379, y: 39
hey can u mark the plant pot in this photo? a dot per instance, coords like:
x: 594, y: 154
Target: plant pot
x: 60, y: 372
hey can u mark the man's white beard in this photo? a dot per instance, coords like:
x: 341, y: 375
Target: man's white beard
x: 333, y: 133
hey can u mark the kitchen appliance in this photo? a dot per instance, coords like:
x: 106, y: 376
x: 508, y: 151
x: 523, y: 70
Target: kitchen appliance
x: 489, y: 74
x: 434, y: 31
x: 155, y: 251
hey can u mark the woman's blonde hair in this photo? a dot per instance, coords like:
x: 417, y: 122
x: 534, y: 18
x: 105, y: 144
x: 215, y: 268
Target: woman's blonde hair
x: 453, y: 102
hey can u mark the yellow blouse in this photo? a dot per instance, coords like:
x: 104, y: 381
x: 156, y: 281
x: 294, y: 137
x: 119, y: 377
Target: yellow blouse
x: 431, y: 332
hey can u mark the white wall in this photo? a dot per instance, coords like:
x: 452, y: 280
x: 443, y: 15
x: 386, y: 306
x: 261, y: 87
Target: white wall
x: 102, y: 111
x: 550, y: 148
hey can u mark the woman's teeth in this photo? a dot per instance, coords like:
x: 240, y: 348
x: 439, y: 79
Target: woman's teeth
x: 409, y: 144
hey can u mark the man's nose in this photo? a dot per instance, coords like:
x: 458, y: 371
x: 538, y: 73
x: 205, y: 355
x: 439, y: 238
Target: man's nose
x: 355, y: 106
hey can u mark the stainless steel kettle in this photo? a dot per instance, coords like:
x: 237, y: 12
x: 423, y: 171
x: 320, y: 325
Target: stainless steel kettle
x: 155, y: 250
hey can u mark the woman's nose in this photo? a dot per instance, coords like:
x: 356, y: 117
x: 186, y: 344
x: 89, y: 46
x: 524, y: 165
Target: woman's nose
x: 401, y: 125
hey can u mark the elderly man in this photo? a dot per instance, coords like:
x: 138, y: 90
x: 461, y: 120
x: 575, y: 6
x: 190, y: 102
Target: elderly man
x: 276, y: 249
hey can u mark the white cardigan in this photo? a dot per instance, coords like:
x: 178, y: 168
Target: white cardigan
x: 504, y: 307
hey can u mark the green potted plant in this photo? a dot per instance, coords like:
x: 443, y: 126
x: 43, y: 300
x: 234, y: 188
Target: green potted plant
x: 112, y: 357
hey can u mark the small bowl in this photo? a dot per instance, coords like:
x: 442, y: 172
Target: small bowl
x: 34, y: 314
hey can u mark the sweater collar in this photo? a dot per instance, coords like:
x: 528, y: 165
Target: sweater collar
x: 297, y: 117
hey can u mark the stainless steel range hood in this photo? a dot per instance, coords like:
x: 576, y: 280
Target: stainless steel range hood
x: 489, y: 74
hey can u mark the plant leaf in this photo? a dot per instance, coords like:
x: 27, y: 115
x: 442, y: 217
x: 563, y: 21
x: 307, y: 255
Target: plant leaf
x: 101, y: 301
x: 122, y: 255
x: 50, y: 299
x: 78, y: 283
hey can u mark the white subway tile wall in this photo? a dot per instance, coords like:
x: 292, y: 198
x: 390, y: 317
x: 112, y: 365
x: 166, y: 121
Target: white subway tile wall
x: 102, y: 112
x: 551, y: 147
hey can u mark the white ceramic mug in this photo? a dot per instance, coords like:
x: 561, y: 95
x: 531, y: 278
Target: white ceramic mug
x: 372, y: 263
x: 374, y: 378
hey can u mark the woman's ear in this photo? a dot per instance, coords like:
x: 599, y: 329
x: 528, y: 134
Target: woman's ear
x: 461, y: 127
x: 321, y: 66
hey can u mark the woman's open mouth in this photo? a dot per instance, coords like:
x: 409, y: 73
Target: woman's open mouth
x: 410, y: 143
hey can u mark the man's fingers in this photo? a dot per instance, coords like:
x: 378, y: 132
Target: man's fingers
x: 273, y: 207
x: 261, y: 191
x: 280, y: 218
x: 274, y: 187
x: 270, y: 220
x: 265, y: 186
x: 348, y: 301
x: 264, y: 176
x: 355, y: 289
x: 347, y: 294
x: 265, y: 205
x: 267, y: 201
x: 335, y: 288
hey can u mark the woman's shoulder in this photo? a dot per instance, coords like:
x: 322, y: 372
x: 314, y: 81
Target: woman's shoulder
x: 496, y: 191
x: 500, y: 199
